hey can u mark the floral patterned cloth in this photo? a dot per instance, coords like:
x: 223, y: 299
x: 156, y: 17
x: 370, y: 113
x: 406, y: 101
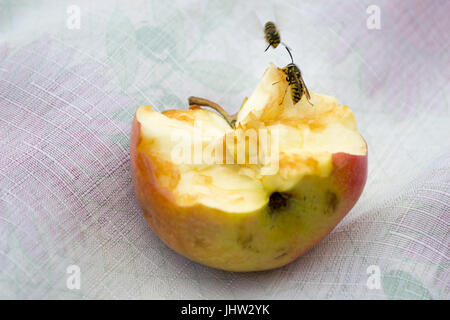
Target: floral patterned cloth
x: 68, y: 95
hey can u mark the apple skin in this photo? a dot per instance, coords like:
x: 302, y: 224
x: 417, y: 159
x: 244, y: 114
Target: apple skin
x: 252, y: 241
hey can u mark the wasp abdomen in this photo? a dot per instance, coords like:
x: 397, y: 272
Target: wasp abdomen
x: 296, y: 93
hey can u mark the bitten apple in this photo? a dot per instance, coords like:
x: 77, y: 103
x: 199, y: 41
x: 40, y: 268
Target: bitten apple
x: 241, y: 215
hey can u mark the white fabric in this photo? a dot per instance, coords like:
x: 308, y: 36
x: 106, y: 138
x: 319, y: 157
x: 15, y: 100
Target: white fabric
x: 67, y: 98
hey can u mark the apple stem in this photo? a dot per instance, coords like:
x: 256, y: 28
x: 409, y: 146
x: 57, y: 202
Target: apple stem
x: 208, y: 103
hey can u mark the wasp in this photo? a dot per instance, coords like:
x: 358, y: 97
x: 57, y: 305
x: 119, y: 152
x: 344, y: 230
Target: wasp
x: 271, y: 35
x: 295, y: 80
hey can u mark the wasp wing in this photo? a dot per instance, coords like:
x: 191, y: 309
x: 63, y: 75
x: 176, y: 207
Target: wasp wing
x: 305, y: 88
x: 299, y: 80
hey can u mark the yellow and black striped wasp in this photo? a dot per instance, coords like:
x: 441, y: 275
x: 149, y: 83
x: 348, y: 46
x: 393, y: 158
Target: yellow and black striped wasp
x: 272, y: 35
x: 295, y: 81
x: 252, y: 25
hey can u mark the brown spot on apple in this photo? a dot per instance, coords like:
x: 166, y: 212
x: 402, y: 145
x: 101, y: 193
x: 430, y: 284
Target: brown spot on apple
x: 281, y: 255
x: 199, y: 242
x: 278, y: 201
x: 331, y: 199
x: 246, y: 242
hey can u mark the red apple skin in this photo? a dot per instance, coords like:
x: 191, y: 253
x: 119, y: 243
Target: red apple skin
x: 244, y: 241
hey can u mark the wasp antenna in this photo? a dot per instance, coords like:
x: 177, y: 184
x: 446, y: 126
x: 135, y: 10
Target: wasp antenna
x: 267, y: 47
x: 289, y: 51
x: 285, y: 45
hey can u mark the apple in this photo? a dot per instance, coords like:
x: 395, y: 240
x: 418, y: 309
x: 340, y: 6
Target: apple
x: 248, y: 215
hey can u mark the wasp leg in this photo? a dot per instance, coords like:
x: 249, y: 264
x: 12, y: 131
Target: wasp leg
x: 284, y: 96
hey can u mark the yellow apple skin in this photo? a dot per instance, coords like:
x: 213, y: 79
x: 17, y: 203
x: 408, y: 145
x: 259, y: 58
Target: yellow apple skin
x: 252, y: 241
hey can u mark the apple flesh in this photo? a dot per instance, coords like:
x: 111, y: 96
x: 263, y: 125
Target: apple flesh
x: 232, y: 217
